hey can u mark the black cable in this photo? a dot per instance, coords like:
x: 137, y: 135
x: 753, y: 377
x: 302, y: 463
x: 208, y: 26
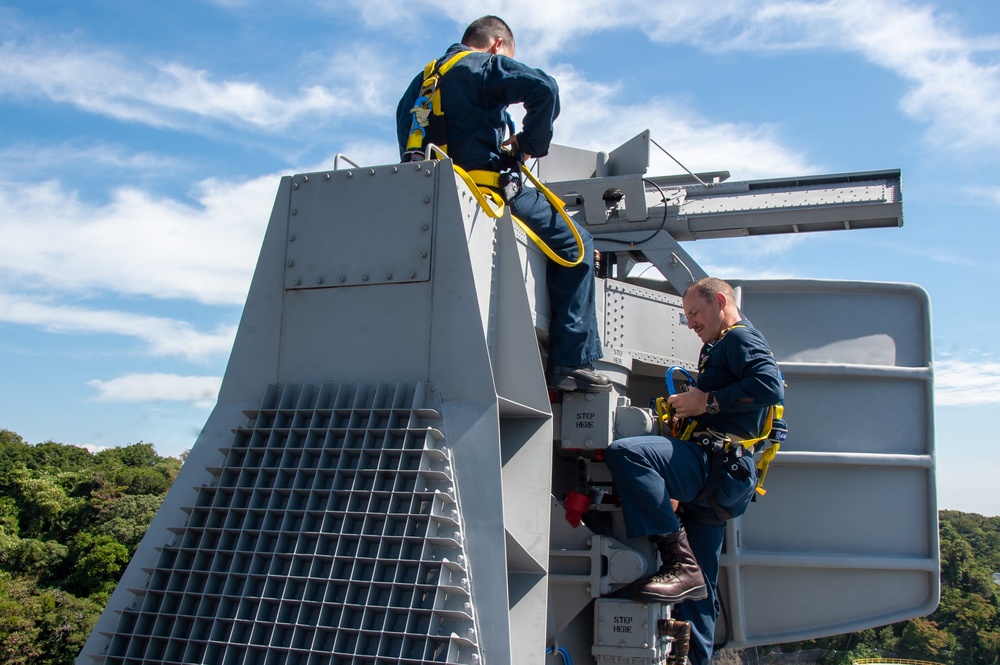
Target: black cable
x: 725, y: 620
x: 663, y: 222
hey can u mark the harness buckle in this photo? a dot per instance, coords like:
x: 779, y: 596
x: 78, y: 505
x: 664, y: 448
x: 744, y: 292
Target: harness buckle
x: 712, y: 441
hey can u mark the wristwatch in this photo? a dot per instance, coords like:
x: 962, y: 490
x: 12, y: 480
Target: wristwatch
x: 711, y: 406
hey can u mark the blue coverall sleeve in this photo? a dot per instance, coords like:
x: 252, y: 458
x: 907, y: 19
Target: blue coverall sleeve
x: 404, y: 118
x: 759, y: 383
x: 507, y: 82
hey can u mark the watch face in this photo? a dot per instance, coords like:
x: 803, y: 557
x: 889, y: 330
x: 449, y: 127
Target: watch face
x: 711, y: 406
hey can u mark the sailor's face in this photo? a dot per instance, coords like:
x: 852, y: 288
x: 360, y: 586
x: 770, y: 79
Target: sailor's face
x: 704, y: 316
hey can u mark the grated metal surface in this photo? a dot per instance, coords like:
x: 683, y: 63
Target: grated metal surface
x: 331, y: 534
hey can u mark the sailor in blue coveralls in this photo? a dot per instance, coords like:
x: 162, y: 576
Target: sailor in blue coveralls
x: 475, y: 94
x: 738, y: 380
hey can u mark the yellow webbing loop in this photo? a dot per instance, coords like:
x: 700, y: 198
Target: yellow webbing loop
x: 762, y: 465
x: 485, y: 178
x: 665, y: 418
x: 776, y: 411
x: 663, y: 415
x: 750, y: 443
x: 480, y: 192
x: 561, y: 208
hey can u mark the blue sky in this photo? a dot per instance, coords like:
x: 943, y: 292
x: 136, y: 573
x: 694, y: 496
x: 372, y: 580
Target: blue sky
x: 141, y: 146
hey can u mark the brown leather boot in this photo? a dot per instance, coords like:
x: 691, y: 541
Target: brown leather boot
x: 679, y: 577
x: 679, y: 634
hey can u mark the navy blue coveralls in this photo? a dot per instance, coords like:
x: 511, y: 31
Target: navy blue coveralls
x: 475, y: 95
x: 649, y: 471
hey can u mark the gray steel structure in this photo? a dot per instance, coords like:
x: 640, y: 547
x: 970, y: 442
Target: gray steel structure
x: 382, y: 479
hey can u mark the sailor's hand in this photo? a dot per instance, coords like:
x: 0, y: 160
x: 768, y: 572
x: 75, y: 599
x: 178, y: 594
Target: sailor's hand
x: 689, y: 404
x: 511, y: 143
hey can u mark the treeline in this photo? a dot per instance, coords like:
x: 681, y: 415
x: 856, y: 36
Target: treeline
x: 965, y: 628
x: 69, y: 522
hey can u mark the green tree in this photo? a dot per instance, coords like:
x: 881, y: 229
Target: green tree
x: 9, y: 516
x: 922, y: 638
x: 64, y: 625
x: 135, y: 455
x: 42, y: 626
x: 19, y: 634
x: 31, y: 557
x: 59, y: 457
x: 68, y: 523
x: 94, y: 565
x: 44, y: 504
x: 128, y: 518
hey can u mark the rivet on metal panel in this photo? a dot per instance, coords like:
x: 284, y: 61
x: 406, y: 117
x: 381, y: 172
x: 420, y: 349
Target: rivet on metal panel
x: 294, y: 212
x: 327, y: 176
x: 423, y: 255
x: 295, y: 185
x: 395, y: 169
x: 291, y: 238
x: 427, y: 173
x: 388, y: 275
x: 417, y: 166
x: 427, y: 199
x: 319, y: 280
x: 350, y: 174
x: 291, y: 264
x: 424, y: 227
x: 371, y: 171
x: 342, y: 279
x: 305, y: 178
x: 298, y: 282
x: 364, y: 278
x: 413, y: 275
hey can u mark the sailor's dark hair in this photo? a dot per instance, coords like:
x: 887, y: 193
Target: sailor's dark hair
x: 485, y: 30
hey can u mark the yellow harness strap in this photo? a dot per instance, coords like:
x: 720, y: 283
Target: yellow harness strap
x: 481, y: 182
x: 433, y: 105
x: 485, y: 178
x: 776, y: 411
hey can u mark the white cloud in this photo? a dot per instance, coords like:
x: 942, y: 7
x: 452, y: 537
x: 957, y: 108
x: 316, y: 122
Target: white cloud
x: 989, y: 195
x: 174, y: 95
x: 591, y: 120
x: 966, y: 383
x: 136, y: 244
x: 164, y: 337
x: 200, y: 390
x: 950, y: 89
x: 954, y: 78
x: 22, y: 161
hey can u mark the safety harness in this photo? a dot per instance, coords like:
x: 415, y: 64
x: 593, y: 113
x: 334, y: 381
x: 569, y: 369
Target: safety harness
x: 428, y: 113
x: 428, y: 135
x: 724, y: 450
